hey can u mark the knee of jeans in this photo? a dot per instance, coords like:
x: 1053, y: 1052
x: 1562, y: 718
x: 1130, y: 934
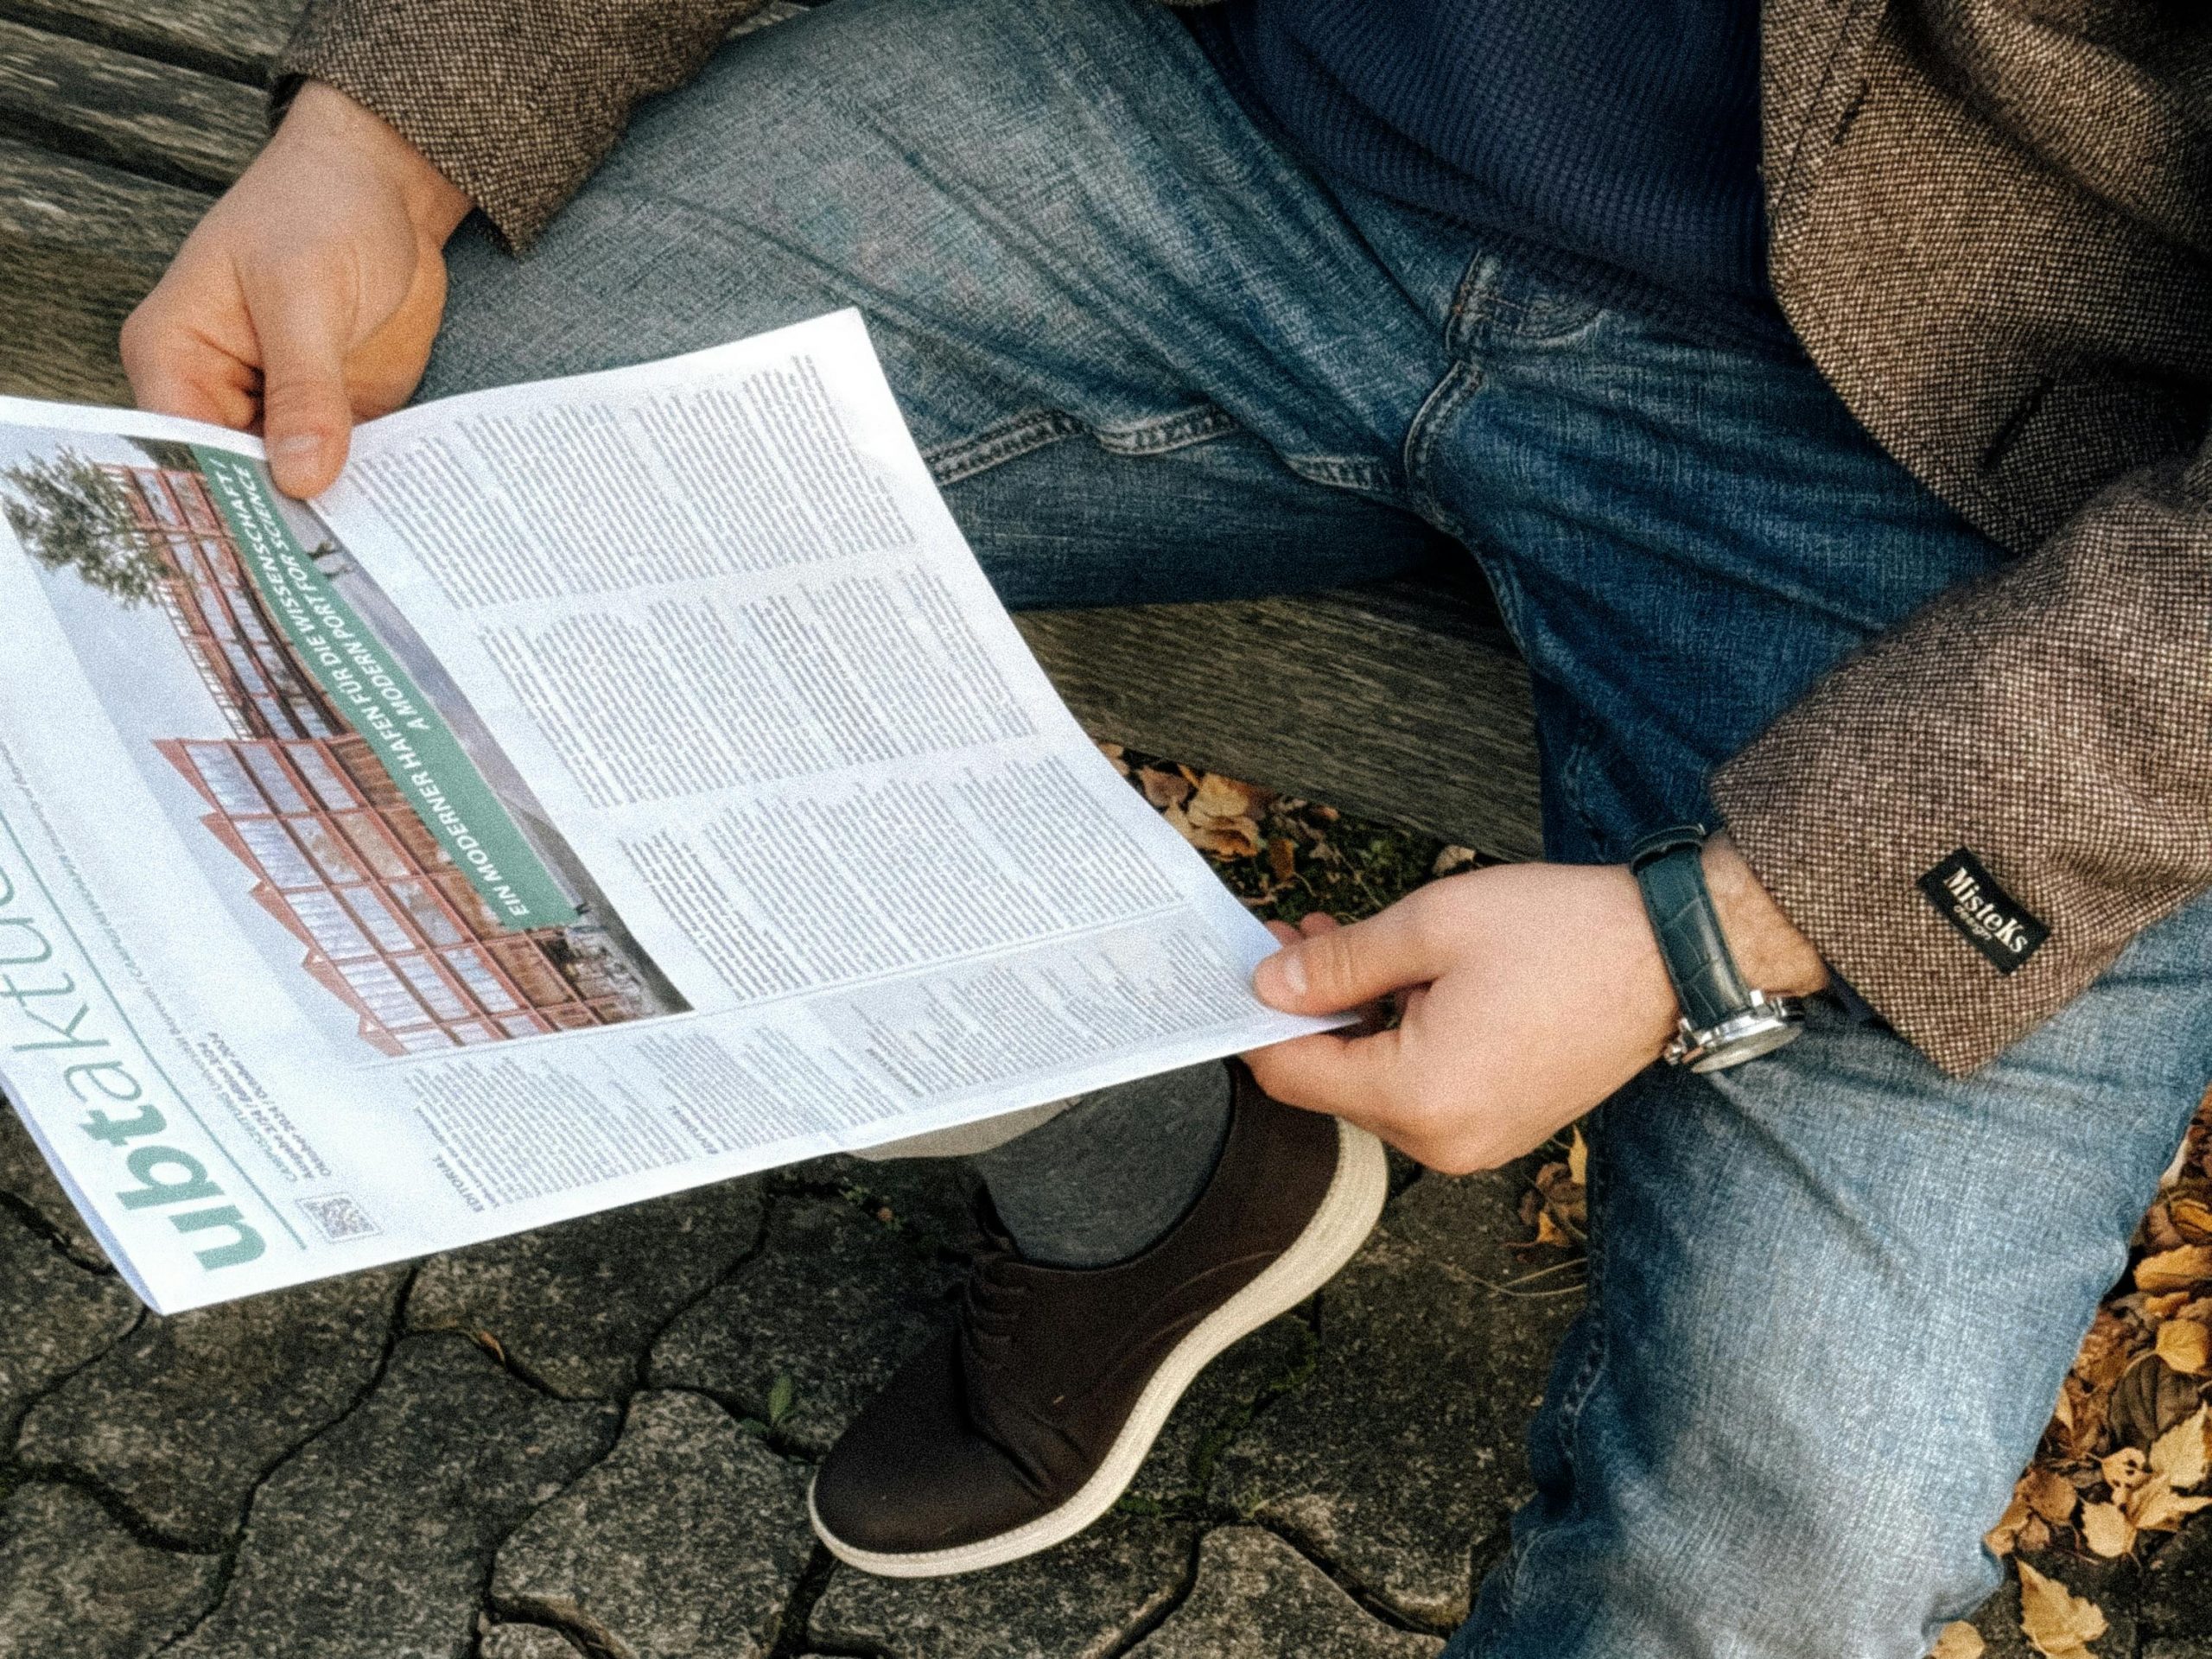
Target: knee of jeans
x: 1867, y: 1531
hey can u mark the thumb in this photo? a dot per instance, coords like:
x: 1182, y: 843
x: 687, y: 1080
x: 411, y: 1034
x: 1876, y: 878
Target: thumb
x: 1340, y: 968
x: 306, y: 416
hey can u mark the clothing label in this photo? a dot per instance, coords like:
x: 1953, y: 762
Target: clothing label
x: 1992, y: 921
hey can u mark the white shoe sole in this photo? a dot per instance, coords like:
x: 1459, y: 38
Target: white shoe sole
x: 1347, y: 1213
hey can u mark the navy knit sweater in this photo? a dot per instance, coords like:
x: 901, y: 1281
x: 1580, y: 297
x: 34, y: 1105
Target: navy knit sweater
x: 1614, y: 144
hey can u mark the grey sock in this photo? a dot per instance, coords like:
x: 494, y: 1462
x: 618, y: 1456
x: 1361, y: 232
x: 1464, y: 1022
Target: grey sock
x: 1112, y: 1173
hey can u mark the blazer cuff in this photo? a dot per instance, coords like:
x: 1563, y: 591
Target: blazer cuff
x: 1972, y: 817
x: 516, y: 101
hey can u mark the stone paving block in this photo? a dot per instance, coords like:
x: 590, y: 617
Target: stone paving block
x: 1405, y: 1448
x: 1256, y: 1598
x: 526, y: 1642
x: 26, y: 1178
x: 1217, y: 1407
x: 73, y: 1584
x: 575, y: 1305
x: 931, y: 1200
x: 1083, y: 1600
x: 55, y: 1316
x: 685, y: 1544
x: 834, y: 1302
x: 375, y: 1539
x: 182, y: 1419
x: 2177, y: 1601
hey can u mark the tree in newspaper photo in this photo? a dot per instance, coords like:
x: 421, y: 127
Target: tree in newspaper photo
x: 355, y: 815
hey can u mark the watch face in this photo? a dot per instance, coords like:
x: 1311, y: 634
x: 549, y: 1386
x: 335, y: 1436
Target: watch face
x: 1748, y: 1045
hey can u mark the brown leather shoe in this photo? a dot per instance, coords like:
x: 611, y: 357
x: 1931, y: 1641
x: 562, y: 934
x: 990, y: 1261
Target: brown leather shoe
x: 1021, y: 1425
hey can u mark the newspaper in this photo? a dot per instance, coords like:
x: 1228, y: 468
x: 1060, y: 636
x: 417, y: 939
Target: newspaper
x: 612, y: 784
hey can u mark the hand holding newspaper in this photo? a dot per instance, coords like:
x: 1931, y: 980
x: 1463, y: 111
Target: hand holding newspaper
x: 614, y: 785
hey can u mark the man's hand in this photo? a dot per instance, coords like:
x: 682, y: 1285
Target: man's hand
x: 309, y: 297
x: 1528, y: 993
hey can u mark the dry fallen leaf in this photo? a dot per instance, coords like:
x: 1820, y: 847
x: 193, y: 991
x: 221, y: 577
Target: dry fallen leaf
x: 1114, y: 752
x: 1452, y: 859
x: 2182, y: 1454
x: 1224, y: 798
x: 2158, y: 1229
x: 1283, y: 857
x: 2059, y: 1623
x: 2080, y: 1415
x: 2107, y: 1529
x: 2186, y: 1345
x: 2150, y: 1399
x: 1565, y: 1201
x: 2003, y: 1537
x: 2192, y: 1219
x: 2179, y: 1269
x: 2158, y: 1508
x: 2106, y: 1350
x: 1960, y: 1640
x: 2124, y: 1470
x: 1225, y: 837
x: 2049, y: 1494
x: 1163, y: 789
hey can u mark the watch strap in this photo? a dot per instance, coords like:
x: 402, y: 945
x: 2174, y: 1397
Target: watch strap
x: 1670, y: 868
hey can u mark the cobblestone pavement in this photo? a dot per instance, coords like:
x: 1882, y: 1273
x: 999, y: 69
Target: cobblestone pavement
x: 596, y: 1441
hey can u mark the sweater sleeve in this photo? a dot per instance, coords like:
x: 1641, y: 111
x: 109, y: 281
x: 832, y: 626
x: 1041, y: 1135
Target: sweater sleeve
x: 1970, y: 817
x: 516, y: 101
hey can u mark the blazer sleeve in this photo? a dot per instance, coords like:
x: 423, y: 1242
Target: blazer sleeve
x: 515, y: 101
x: 2052, y: 723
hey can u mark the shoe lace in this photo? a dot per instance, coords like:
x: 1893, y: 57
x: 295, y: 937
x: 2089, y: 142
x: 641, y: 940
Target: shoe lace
x: 991, y: 1309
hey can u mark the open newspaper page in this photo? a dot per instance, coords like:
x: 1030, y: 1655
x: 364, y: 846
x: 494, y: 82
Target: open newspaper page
x: 614, y: 785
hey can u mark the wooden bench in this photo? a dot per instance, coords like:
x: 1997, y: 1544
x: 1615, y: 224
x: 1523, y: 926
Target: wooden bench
x: 121, y: 119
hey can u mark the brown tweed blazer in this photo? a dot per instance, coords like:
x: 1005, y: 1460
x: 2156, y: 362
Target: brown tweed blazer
x: 1992, y: 228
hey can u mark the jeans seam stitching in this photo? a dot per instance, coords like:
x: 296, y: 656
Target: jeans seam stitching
x: 1574, y: 778
x: 1020, y: 435
x: 1343, y: 472
x: 1163, y: 432
x: 949, y: 463
x: 1444, y: 400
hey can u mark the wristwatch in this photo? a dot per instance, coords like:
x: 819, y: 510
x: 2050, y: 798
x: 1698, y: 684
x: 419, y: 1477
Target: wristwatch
x: 1724, y: 1022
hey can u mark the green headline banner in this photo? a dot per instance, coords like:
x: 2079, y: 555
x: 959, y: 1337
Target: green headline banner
x: 381, y: 702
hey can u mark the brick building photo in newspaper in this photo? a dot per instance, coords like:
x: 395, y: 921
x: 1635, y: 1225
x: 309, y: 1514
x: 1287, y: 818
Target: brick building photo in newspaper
x: 385, y: 920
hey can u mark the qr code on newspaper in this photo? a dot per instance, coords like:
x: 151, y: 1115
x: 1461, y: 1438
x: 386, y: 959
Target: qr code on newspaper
x: 338, y: 1216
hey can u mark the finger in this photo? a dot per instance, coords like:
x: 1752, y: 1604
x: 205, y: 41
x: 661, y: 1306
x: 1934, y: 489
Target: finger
x: 1333, y: 968
x: 305, y: 413
x: 1354, y: 1077
x: 175, y: 372
x: 1372, y: 1016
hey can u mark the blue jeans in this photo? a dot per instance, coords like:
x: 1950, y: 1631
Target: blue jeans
x: 1151, y: 357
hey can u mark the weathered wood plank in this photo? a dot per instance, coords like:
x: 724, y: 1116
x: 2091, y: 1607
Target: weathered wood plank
x: 83, y: 206
x: 80, y: 243
x: 179, y: 125
x: 1401, y: 704
x: 237, y: 38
